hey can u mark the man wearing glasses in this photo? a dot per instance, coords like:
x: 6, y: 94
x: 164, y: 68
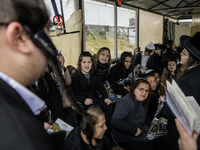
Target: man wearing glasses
x: 21, y: 63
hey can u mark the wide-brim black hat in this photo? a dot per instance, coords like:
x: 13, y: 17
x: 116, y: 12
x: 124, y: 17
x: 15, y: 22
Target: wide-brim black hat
x: 192, y: 44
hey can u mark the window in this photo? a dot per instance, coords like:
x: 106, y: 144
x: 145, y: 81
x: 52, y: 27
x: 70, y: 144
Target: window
x: 126, y: 30
x: 68, y: 9
x: 99, y: 26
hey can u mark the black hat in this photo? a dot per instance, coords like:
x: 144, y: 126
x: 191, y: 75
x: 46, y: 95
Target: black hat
x: 191, y: 44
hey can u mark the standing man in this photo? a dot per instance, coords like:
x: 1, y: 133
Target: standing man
x: 21, y: 64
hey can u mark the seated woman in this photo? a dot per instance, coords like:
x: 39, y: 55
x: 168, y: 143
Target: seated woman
x: 86, y: 83
x: 86, y: 137
x: 121, y: 75
x: 128, y: 120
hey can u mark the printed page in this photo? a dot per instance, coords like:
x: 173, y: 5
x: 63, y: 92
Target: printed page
x: 61, y: 125
x: 196, y: 110
x: 182, y: 110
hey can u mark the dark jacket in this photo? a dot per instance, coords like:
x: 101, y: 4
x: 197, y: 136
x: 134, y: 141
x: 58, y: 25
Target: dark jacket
x: 116, y: 73
x: 155, y: 62
x: 87, y: 88
x: 74, y: 141
x: 190, y: 85
x: 19, y: 128
x: 48, y: 91
x: 153, y: 105
x: 126, y: 118
x: 137, y: 59
x: 102, y: 71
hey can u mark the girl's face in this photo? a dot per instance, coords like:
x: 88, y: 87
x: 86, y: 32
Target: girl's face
x: 136, y: 51
x: 86, y: 65
x: 104, y: 57
x: 173, y: 46
x: 142, y: 92
x: 152, y: 82
x: 127, y: 62
x: 100, y: 127
x: 156, y: 75
x: 171, y: 66
x: 184, y: 57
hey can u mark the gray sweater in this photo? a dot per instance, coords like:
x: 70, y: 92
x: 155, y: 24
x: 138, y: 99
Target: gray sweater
x: 126, y: 118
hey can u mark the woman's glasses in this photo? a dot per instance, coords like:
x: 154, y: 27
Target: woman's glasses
x: 143, y: 90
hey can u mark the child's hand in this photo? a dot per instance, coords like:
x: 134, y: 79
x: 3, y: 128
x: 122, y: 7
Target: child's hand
x: 88, y: 101
x: 138, y: 132
x: 127, y: 88
x: 108, y: 101
x: 48, y: 126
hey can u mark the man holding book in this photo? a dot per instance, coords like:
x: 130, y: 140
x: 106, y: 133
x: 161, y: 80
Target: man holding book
x: 188, y: 82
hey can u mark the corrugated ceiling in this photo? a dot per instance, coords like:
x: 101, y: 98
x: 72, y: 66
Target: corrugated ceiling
x: 177, y: 9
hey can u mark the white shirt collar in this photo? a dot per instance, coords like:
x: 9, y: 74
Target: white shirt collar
x: 34, y: 102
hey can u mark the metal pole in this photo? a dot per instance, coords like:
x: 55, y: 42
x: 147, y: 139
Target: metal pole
x: 61, y: 7
x: 115, y: 31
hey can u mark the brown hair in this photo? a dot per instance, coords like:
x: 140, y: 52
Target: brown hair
x: 32, y: 14
x: 135, y: 84
x: 85, y: 54
x: 87, y: 127
x: 96, y: 60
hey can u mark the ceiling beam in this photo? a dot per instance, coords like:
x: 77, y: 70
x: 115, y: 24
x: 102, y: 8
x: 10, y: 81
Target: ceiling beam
x: 178, y: 8
x: 157, y: 5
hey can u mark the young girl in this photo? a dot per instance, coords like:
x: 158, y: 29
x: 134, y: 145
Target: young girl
x: 168, y: 74
x: 128, y: 120
x: 121, y: 75
x: 86, y: 83
x: 102, y: 63
x: 87, y: 137
x: 153, y: 102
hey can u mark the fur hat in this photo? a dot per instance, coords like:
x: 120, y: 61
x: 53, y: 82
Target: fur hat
x: 191, y: 44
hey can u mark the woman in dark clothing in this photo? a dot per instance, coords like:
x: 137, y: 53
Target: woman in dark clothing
x: 85, y: 85
x: 102, y: 63
x: 121, y: 75
x: 153, y: 102
x: 189, y: 82
x: 129, y: 117
x: 89, y: 137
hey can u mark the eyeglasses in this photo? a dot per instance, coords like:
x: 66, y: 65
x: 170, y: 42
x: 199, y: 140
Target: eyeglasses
x: 128, y: 61
x: 143, y: 90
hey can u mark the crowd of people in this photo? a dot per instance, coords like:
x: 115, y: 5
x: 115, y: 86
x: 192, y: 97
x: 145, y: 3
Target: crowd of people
x: 36, y: 89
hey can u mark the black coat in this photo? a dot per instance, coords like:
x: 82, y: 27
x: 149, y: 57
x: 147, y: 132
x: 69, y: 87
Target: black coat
x: 116, y: 73
x: 47, y: 90
x: 155, y: 62
x: 74, y: 141
x: 190, y: 85
x: 19, y: 128
x: 137, y: 59
x: 87, y: 88
x: 102, y: 71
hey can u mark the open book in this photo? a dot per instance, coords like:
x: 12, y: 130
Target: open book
x: 185, y: 108
x: 59, y: 126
